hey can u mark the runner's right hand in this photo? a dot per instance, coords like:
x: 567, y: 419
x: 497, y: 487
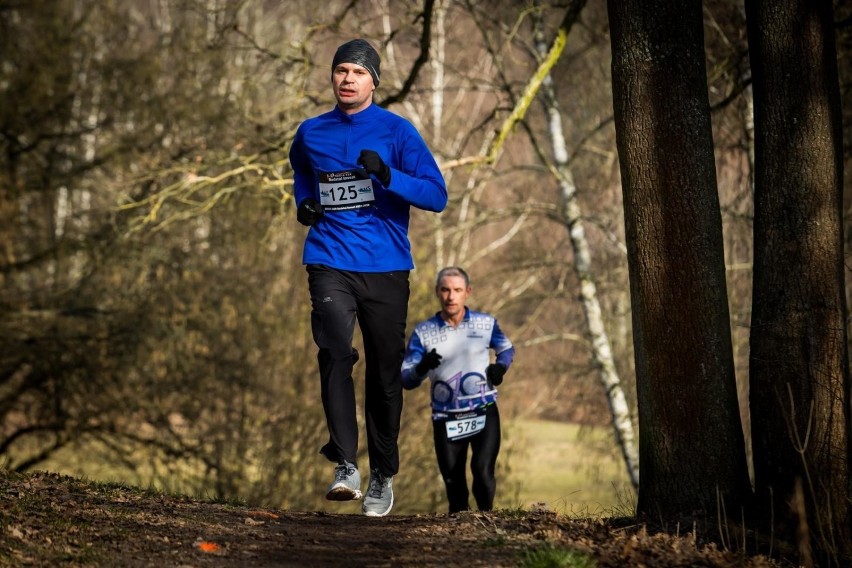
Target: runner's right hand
x: 309, y: 212
x: 430, y: 361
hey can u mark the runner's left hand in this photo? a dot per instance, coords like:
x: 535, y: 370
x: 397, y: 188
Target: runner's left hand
x: 494, y: 373
x: 374, y: 164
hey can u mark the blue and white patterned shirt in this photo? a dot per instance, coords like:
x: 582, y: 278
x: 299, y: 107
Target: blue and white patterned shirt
x: 459, y: 383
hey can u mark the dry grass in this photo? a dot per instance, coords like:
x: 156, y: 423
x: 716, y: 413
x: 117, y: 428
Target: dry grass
x: 566, y: 468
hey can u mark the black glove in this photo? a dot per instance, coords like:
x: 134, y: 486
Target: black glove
x: 374, y: 164
x: 429, y: 361
x: 495, y: 372
x: 309, y: 212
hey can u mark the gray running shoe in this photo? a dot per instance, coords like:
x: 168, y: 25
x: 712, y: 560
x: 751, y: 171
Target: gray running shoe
x: 346, y: 485
x: 379, y: 499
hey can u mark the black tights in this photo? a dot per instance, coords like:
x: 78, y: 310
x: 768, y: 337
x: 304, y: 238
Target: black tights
x: 452, y: 461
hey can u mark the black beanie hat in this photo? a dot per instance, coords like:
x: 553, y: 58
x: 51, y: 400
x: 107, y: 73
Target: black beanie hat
x: 359, y: 52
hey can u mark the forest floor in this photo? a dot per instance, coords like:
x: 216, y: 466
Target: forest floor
x: 52, y: 520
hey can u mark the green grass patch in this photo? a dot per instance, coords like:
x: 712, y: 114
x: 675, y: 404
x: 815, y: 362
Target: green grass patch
x: 556, y: 557
x: 515, y: 512
x: 564, y: 467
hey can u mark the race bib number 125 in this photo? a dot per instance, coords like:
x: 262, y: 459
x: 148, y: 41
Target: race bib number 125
x: 348, y: 189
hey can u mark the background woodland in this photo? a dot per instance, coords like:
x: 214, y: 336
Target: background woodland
x: 154, y: 314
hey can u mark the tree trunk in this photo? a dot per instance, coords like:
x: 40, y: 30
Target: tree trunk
x: 692, y: 451
x: 799, y: 382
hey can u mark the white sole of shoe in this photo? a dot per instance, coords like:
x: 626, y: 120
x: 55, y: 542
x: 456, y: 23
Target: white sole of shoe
x: 342, y: 493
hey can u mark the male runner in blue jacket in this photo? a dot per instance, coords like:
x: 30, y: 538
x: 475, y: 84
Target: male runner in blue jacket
x: 357, y: 170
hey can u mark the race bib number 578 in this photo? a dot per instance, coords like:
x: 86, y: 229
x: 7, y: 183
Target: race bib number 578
x: 464, y: 427
x: 348, y: 189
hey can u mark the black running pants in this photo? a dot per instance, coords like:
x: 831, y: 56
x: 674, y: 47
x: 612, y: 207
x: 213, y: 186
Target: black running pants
x: 452, y: 461
x: 379, y: 303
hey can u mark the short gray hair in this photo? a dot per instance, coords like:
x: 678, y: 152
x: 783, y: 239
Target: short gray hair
x: 452, y: 271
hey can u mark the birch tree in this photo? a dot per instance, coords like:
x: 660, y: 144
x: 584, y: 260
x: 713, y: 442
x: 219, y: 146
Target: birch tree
x: 572, y: 217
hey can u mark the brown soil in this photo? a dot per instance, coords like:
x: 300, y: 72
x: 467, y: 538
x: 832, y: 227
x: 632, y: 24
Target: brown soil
x: 52, y: 520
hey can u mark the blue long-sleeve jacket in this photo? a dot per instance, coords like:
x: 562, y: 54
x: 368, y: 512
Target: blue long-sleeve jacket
x: 370, y: 234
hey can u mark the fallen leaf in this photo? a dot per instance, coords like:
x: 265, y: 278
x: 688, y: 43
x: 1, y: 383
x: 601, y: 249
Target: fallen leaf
x: 207, y: 546
x: 263, y: 514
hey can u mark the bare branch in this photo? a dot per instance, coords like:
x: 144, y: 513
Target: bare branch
x: 532, y: 88
x: 422, y: 58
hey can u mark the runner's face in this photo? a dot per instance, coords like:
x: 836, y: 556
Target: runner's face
x: 353, y: 87
x: 452, y: 293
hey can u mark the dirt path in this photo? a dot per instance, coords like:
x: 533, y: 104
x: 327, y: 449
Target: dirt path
x: 52, y: 520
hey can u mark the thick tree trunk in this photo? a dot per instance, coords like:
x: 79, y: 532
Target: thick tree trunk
x: 692, y: 451
x: 799, y: 383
